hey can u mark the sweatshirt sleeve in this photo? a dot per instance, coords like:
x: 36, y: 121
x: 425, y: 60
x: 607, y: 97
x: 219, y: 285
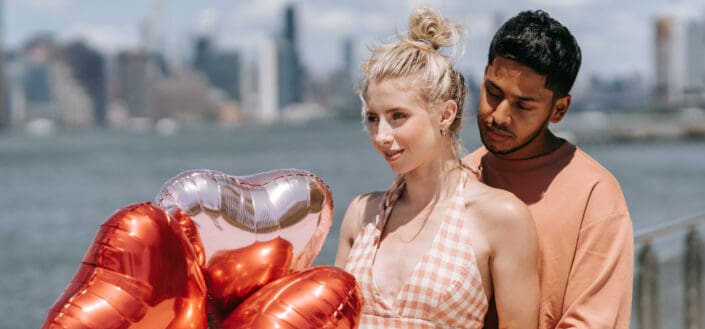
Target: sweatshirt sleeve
x: 599, y: 290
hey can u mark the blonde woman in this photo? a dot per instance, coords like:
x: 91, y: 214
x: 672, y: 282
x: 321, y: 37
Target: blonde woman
x: 438, y: 245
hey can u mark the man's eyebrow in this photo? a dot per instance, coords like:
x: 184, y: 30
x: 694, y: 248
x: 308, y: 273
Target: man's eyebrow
x: 521, y: 98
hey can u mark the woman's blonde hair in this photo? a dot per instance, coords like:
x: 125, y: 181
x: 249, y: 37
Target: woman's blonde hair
x: 418, y: 55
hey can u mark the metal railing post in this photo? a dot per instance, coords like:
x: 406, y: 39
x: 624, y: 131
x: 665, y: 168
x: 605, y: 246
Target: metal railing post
x: 647, y: 288
x: 693, y: 279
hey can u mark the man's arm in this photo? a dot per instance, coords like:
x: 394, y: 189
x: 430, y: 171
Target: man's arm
x: 599, y: 291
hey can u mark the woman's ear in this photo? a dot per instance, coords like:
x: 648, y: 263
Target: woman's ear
x: 448, y: 113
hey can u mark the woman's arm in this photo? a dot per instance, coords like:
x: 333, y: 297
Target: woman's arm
x: 348, y: 230
x: 514, y: 264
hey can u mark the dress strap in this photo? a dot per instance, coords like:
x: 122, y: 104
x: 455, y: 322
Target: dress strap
x: 390, y: 198
x: 397, y: 188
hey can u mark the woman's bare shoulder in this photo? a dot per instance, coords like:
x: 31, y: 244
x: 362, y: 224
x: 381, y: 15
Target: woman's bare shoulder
x: 495, y: 205
x: 368, y: 203
x: 361, y: 210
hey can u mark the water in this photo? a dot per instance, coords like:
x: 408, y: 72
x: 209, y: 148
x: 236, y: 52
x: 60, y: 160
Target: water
x: 57, y: 190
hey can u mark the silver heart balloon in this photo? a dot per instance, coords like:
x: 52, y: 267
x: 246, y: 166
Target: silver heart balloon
x: 232, y: 212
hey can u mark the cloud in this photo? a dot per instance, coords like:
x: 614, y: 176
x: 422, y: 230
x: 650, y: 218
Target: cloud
x: 46, y: 5
x: 107, y: 38
x: 566, y: 3
x: 344, y: 21
x: 207, y: 21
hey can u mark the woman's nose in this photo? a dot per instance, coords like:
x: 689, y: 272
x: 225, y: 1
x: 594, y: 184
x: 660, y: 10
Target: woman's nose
x: 384, y: 133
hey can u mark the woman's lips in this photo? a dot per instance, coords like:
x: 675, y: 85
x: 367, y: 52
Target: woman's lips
x: 392, y: 155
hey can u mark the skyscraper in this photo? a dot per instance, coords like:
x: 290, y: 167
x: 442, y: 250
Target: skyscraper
x: 88, y: 68
x: 694, y: 62
x: 4, y: 112
x: 289, y: 70
x: 665, y: 89
x: 267, y: 86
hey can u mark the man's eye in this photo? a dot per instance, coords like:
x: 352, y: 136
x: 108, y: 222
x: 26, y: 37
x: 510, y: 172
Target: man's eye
x: 493, y: 95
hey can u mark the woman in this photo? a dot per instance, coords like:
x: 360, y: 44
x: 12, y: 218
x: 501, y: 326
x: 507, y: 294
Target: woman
x: 438, y: 245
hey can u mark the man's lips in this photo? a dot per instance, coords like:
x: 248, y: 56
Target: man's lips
x: 497, y: 134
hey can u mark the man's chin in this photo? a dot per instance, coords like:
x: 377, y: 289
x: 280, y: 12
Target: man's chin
x: 497, y: 151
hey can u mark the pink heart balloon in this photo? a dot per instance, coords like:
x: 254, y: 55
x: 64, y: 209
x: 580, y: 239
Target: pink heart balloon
x: 232, y: 212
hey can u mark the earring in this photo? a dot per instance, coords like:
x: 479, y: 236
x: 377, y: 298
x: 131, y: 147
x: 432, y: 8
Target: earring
x: 443, y: 131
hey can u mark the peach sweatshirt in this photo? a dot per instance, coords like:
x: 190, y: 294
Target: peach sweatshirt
x: 586, y: 243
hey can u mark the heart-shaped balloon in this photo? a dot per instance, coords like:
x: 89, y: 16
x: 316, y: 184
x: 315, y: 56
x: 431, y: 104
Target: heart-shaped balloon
x: 233, y: 275
x: 140, y: 272
x: 232, y: 212
x: 322, y: 297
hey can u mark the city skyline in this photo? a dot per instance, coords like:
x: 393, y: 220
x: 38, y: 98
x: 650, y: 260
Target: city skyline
x: 617, y: 39
x: 81, y: 80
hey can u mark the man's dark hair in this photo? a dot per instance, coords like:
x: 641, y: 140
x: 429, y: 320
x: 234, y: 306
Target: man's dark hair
x: 535, y: 39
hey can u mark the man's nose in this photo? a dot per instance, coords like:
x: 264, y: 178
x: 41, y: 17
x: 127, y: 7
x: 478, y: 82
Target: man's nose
x: 502, y: 114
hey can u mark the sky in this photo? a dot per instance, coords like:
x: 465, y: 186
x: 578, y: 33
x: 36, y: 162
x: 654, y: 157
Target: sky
x: 616, y: 37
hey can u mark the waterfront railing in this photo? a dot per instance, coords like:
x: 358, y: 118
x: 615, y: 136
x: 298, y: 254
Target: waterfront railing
x: 648, y: 284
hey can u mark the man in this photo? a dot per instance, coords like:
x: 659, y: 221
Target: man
x: 585, y: 232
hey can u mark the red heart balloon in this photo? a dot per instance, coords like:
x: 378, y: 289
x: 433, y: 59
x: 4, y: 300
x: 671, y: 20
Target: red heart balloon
x: 140, y: 272
x: 323, y: 297
x: 231, y: 276
x: 232, y: 212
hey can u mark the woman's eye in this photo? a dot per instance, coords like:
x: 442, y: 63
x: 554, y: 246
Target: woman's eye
x: 398, y: 115
x: 371, y: 118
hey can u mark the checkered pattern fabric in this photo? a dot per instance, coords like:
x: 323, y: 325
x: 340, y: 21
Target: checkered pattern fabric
x: 444, y: 291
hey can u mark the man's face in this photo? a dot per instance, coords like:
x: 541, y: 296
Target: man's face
x: 515, y: 109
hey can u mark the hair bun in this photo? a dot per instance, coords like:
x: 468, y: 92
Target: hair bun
x: 428, y: 26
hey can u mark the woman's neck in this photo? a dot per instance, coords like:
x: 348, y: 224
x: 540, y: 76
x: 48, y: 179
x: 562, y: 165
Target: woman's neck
x: 432, y: 182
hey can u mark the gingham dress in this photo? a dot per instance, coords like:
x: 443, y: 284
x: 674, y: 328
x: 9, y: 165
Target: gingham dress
x: 444, y: 290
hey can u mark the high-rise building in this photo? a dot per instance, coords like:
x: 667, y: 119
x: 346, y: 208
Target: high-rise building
x: 202, y: 52
x: 267, y: 85
x: 665, y: 88
x: 290, y: 24
x: 136, y: 72
x: 35, y: 79
x: 88, y: 68
x: 73, y: 106
x: 223, y: 71
x: 153, y: 36
x: 289, y: 69
x: 221, y: 67
x: 694, y: 62
x: 4, y: 108
x: 346, y: 102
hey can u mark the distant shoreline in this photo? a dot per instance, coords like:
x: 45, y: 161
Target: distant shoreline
x: 598, y: 127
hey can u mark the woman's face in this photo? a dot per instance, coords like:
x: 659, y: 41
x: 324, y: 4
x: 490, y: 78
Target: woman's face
x: 402, y: 128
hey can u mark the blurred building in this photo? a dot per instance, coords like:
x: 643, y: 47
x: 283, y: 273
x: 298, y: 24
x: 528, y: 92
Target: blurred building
x: 29, y: 83
x: 694, y: 84
x: 221, y: 67
x: 184, y: 96
x: 4, y: 108
x: 289, y: 68
x: 135, y: 73
x: 611, y: 94
x: 87, y: 68
x: 345, y: 100
x: 267, y: 83
x: 665, y: 90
